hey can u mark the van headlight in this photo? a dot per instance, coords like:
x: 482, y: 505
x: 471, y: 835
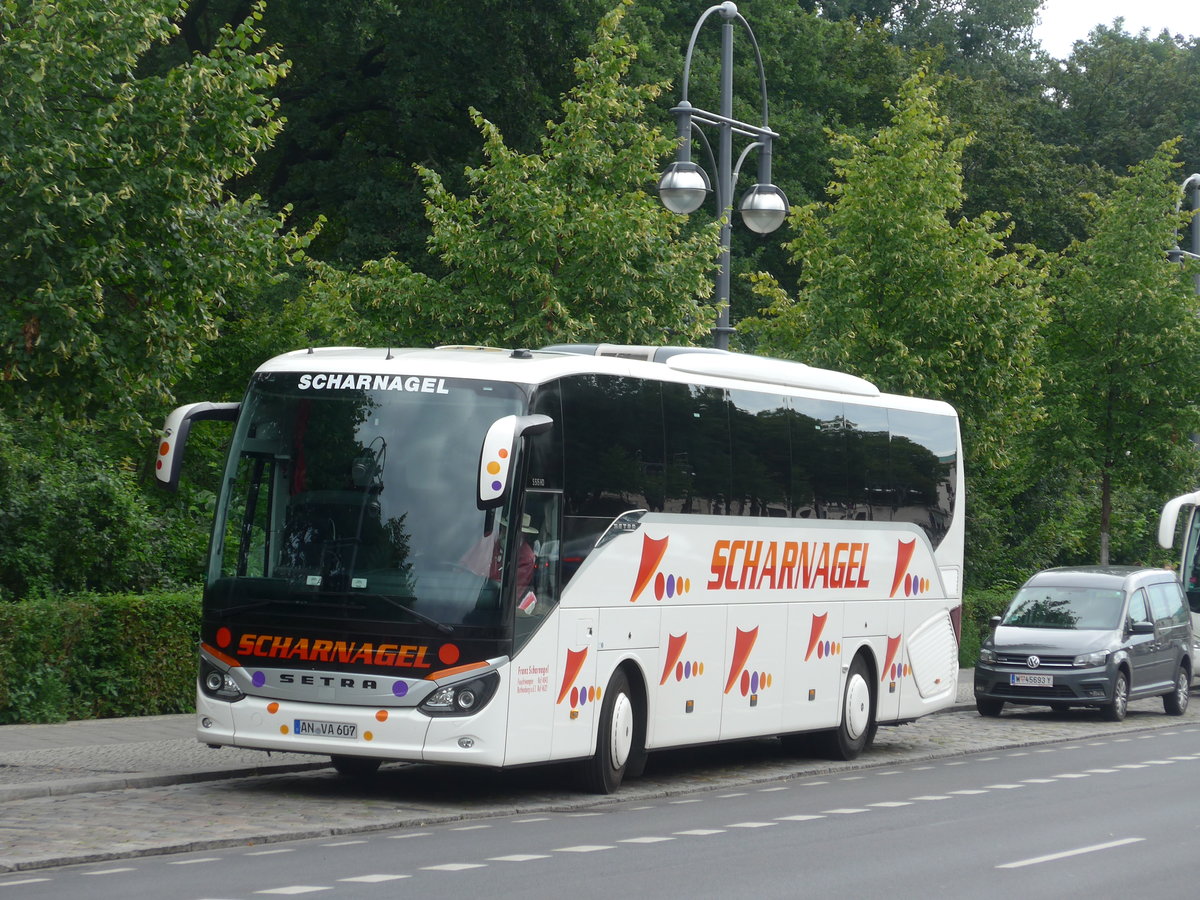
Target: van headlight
x: 1099, y: 658
x: 462, y: 699
x: 986, y: 655
x: 218, y: 684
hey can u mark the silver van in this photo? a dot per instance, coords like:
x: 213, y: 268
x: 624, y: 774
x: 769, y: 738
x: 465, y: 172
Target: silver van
x: 1089, y: 636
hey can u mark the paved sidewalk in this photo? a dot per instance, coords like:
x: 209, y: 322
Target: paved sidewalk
x: 150, y: 751
x: 101, y: 790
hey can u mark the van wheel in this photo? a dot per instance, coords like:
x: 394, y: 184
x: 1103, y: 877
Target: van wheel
x: 989, y: 707
x: 857, y: 730
x: 355, y: 766
x: 619, y: 738
x: 1176, y: 702
x: 1115, y: 711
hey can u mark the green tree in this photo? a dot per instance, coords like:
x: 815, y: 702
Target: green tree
x: 562, y: 245
x: 1122, y: 379
x: 896, y: 286
x: 120, y: 243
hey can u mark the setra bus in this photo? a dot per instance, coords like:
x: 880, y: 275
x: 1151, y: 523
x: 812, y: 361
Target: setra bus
x: 1189, y: 561
x: 467, y: 555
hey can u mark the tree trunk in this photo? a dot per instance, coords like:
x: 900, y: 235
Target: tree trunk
x: 1105, y: 513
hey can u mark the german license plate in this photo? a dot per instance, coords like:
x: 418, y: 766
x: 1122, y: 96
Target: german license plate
x: 1025, y: 680
x: 314, y: 728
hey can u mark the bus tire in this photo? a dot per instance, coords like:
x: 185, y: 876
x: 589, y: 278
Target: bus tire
x: 616, y: 738
x: 856, y: 730
x: 355, y: 766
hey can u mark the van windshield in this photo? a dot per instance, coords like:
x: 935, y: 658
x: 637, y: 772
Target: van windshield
x: 1067, y: 608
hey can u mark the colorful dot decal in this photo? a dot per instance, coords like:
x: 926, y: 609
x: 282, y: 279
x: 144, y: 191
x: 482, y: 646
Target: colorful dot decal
x: 272, y: 708
x: 283, y: 729
x: 670, y: 586
x: 224, y: 638
x: 914, y: 584
x: 581, y: 696
x: 448, y: 654
x: 400, y: 688
x: 754, y: 682
x: 689, y: 669
x: 258, y: 679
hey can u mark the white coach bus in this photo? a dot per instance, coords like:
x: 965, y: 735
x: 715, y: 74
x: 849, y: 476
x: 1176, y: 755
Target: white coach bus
x: 1189, y: 561
x: 500, y: 558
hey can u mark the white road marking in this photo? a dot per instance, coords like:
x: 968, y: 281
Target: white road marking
x: 188, y: 862
x: 22, y: 881
x: 1003, y: 787
x: 967, y: 792
x: 374, y: 879
x: 932, y: 797
x: 518, y: 857
x: 1038, y: 780
x: 1101, y: 771
x: 892, y: 803
x: 649, y: 839
x: 111, y: 871
x: 400, y: 837
x: 343, y: 843
x: 750, y: 824
x: 1050, y: 857
x: 271, y: 852
x: 700, y: 832
x: 798, y: 818
x: 534, y: 819
x: 585, y: 848
x: 844, y: 811
x: 1074, y: 775
x: 467, y: 828
x: 454, y: 867
x: 295, y: 889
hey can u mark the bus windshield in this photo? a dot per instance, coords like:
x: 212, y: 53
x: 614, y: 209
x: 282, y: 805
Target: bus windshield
x: 353, y: 498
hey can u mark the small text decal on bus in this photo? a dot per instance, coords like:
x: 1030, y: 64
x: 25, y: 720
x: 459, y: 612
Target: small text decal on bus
x: 333, y: 381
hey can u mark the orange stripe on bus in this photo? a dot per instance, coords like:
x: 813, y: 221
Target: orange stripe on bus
x: 443, y: 673
x: 228, y: 660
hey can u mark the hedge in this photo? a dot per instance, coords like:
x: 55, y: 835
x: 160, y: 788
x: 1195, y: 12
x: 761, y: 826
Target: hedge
x: 94, y: 656
x: 98, y: 656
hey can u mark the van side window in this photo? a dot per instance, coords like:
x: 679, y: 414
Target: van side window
x: 1167, y: 603
x: 1139, y: 611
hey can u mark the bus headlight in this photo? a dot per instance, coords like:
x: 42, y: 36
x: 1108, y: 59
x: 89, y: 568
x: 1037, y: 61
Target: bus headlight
x: 218, y: 684
x: 462, y: 699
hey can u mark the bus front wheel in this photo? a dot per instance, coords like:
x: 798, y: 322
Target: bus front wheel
x: 857, y: 728
x: 617, y: 741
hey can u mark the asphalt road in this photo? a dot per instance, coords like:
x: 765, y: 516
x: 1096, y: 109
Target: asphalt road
x: 172, y: 795
x: 1102, y: 817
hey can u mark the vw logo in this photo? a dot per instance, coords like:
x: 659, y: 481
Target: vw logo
x: 1033, y: 662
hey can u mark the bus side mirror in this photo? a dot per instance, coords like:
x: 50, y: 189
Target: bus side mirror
x: 169, y: 458
x: 496, y: 455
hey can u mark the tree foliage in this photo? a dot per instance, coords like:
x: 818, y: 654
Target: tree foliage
x: 898, y: 288
x: 561, y: 245
x: 121, y: 243
x: 1119, y: 351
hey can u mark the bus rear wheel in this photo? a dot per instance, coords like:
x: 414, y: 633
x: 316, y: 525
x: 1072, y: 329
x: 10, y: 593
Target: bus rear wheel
x: 618, y: 740
x: 857, y: 728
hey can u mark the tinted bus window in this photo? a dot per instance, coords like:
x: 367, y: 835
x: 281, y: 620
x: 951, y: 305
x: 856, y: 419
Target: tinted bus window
x: 760, y: 439
x: 925, y: 466
x: 818, y: 444
x: 868, y: 462
x: 699, y: 475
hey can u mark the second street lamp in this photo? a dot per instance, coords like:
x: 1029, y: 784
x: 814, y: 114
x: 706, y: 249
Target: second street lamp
x: 684, y: 186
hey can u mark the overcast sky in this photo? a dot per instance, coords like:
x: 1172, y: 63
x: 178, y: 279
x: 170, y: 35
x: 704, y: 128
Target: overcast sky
x: 1067, y: 21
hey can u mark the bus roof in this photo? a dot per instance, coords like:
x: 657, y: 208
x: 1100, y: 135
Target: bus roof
x: 685, y: 365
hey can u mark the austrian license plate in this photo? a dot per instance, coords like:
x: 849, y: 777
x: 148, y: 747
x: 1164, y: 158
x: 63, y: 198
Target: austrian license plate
x: 1025, y: 680
x: 314, y: 728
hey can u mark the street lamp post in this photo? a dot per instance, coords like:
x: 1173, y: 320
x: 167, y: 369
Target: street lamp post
x: 684, y: 185
x: 1192, y: 182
